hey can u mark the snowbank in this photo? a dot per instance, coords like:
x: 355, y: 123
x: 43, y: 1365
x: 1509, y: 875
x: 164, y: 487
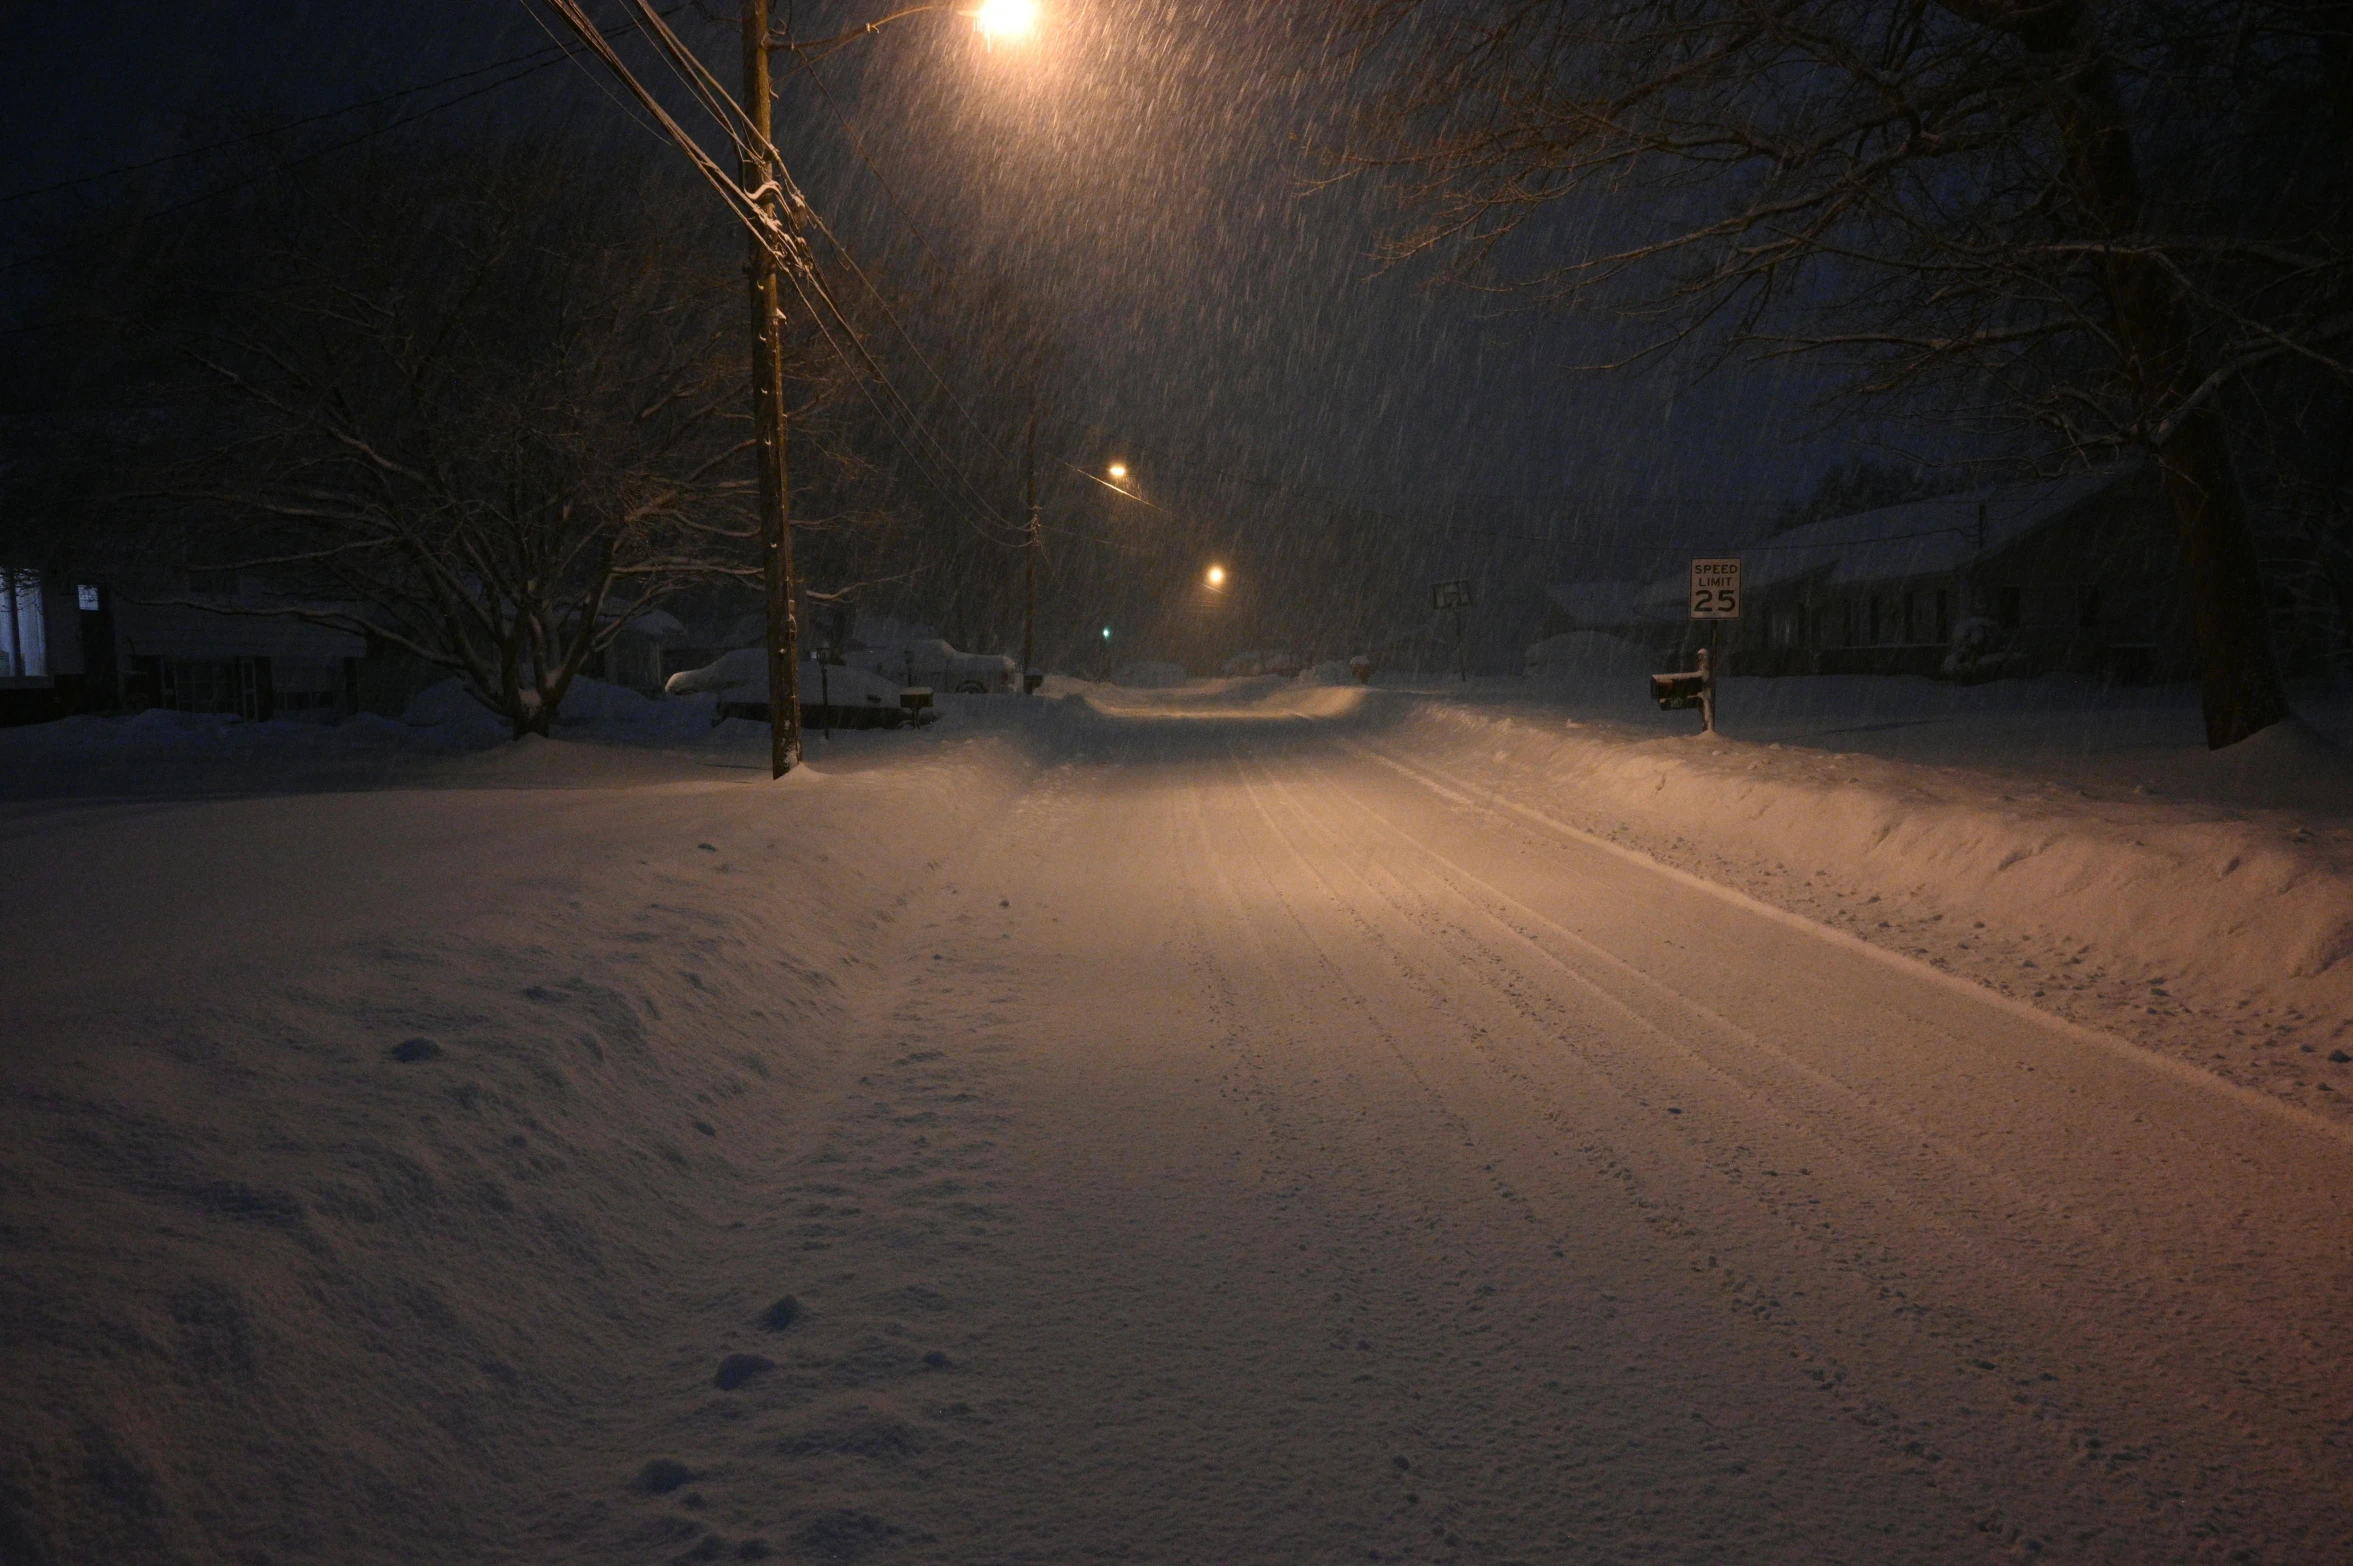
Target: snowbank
x: 2160, y: 918
x: 591, y: 710
x: 181, y: 734
x: 1150, y: 676
x: 360, y: 1144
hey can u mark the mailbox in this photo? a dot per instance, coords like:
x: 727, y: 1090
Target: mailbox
x: 1674, y: 692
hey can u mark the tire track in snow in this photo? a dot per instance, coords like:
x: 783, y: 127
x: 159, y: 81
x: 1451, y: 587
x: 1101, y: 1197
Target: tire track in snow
x: 1570, y: 1247
x: 1366, y: 869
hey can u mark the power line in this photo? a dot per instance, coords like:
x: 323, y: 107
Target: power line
x: 793, y: 255
x: 723, y: 108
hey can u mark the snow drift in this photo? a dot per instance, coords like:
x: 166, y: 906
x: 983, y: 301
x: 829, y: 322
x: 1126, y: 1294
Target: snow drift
x: 2160, y: 919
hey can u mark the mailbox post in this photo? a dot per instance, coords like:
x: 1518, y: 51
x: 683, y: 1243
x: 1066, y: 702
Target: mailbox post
x: 1678, y: 692
x: 1715, y: 595
x: 1455, y: 595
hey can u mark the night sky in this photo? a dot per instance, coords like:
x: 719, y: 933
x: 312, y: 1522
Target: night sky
x: 1144, y: 171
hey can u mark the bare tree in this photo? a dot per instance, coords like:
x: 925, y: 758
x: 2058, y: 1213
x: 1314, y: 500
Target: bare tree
x: 481, y: 403
x: 935, y: 510
x: 2005, y: 204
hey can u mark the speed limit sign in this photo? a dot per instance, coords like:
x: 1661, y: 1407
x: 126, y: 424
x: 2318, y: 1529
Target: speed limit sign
x: 1715, y: 589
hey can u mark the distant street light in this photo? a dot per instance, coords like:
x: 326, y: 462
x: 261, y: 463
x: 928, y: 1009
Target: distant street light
x: 1118, y: 470
x: 1107, y: 633
x: 1217, y: 576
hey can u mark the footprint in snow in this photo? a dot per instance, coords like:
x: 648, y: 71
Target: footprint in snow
x: 736, y: 1369
x: 841, y: 1535
x: 661, y: 1476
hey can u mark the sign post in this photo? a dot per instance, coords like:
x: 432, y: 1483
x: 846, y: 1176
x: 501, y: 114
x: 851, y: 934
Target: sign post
x: 1455, y: 595
x: 1715, y: 597
x: 1715, y: 589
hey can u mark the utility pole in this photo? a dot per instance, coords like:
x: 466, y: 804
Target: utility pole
x: 1029, y: 611
x: 768, y: 413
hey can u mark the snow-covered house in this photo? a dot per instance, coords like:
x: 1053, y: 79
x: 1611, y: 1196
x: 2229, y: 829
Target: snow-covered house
x: 76, y: 646
x: 2078, y: 574
x: 47, y: 626
x: 190, y: 658
x: 1607, y: 607
x: 654, y: 645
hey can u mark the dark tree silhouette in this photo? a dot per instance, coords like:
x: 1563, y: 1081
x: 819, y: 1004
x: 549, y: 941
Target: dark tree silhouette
x: 2104, y: 217
x: 480, y: 402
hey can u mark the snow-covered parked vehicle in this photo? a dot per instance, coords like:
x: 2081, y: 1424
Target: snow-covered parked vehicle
x: 836, y: 696
x: 934, y: 664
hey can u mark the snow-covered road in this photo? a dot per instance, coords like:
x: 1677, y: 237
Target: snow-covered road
x: 1216, y: 1137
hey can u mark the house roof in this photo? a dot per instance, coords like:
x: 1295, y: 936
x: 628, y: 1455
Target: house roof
x: 1918, y: 538
x: 1596, y: 603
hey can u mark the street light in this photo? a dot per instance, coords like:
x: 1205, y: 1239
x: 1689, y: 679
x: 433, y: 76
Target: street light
x: 1217, y: 576
x: 1118, y: 471
x: 759, y: 197
x: 1006, y: 18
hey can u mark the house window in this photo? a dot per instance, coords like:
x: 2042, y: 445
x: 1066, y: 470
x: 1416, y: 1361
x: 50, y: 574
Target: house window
x: 86, y: 598
x: 243, y: 686
x: 24, y: 640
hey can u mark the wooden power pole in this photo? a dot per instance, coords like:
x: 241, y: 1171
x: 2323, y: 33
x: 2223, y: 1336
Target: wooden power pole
x: 1029, y: 610
x: 768, y: 413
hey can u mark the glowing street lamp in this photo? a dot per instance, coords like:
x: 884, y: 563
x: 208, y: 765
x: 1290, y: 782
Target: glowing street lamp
x: 1217, y: 577
x: 1006, y: 19
x: 1118, y: 471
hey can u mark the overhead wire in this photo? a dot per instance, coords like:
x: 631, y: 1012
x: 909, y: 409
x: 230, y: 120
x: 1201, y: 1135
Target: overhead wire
x: 792, y: 253
x: 806, y: 278
x: 742, y: 132
x: 858, y: 146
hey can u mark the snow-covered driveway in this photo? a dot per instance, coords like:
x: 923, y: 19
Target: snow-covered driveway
x: 1216, y: 1137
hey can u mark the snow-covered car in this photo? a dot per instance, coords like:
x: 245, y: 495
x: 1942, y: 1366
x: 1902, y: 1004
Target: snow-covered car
x: 832, y: 695
x: 935, y: 664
